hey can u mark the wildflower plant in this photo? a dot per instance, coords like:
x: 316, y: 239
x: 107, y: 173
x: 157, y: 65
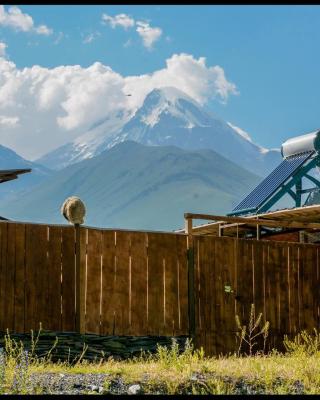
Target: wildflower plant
x: 249, y: 334
x: 303, y: 343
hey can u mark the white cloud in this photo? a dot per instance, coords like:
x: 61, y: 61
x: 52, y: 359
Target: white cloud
x: 43, y: 108
x: 3, y: 47
x: 43, y: 30
x: 59, y: 37
x: 123, y: 20
x: 188, y: 74
x: 90, y: 37
x: 16, y: 19
x: 127, y: 43
x: 148, y: 34
x: 8, y: 121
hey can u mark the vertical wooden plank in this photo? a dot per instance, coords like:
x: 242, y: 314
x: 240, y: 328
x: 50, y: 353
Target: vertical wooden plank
x: 316, y: 283
x: 277, y: 270
x: 197, y: 296
x: 239, y: 255
x: 93, y: 297
x: 220, y: 312
x: 122, y: 278
x: 258, y: 276
x: 271, y: 294
x: 2, y: 280
x: 54, y: 282
x: 155, y: 284
x: 36, y: 276
x: 40, y: 260
x: 182, y: 324
x: 108, y: 283
x: 259, y: 286
x: 308, y: 277
x: 3, y: 269
x: 171, y: 285
x: 45, y: 276
x: 228, y: 284
x: 68, y: 278
x: 284, y: 272
x: 139, y: 284
x: 202, y: 291
x: 10, y: 277
x: 81, y: 277
x: 245, y: 279
x: 30, y: 280
x: 204, y: 312
x: 19, y: 286
x: 300, y: 287
x: 294, y: 292
x: 211, y: 337
x: 235, y: 284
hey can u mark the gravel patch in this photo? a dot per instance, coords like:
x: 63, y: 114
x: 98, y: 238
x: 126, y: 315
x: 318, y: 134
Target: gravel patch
x: 53, y: 383
x: 94, y: 383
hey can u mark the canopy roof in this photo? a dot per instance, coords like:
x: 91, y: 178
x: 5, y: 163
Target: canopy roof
x: 9, y: 174
x: 303, y: 218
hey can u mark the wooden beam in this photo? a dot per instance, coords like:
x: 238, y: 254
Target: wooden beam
x: 255, y: 221
x: 258, y: 232
x: 188, y: 226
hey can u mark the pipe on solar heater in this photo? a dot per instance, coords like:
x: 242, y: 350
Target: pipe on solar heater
x: 301, y: 144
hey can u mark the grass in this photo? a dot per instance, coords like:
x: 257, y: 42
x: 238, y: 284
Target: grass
x: 173, y: 372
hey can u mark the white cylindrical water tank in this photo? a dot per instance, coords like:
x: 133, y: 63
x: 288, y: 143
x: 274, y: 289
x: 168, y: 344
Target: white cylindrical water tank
x: 301, y: 144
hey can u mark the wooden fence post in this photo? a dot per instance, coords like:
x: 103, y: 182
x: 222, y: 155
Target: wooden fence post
x: 80, y: 284
x: 191, y: 297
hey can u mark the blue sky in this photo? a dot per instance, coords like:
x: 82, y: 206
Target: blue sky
x: 270, y: 53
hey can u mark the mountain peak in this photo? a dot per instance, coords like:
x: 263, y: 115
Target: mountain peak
x: 168, y: 93
x: 164, y: 100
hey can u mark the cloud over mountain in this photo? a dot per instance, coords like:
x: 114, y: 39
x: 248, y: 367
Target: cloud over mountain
x: 52, y: 106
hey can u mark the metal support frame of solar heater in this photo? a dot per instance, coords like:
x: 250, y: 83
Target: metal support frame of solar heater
x: 296, y: 180
x: 286, y: 188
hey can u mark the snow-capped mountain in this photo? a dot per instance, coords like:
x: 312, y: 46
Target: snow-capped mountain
x: 169, y: 117
x: 88, y: 145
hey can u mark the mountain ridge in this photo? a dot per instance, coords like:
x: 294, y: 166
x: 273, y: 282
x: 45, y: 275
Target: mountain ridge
x: 134, y: 186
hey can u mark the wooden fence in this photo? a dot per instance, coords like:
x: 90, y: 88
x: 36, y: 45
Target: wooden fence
x: 135, y: 283
x: 281, y: 279
x: 144, y: 283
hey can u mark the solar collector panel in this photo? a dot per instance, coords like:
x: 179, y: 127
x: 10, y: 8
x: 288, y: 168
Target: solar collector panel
x: 272, y: 182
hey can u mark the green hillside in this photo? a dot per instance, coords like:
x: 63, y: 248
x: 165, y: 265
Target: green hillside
x: 139, y: 187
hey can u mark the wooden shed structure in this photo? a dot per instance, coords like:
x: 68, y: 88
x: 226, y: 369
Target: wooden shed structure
x: 299, y: 224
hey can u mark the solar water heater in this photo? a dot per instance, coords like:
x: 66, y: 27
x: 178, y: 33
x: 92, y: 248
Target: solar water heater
x: 300, y: 155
